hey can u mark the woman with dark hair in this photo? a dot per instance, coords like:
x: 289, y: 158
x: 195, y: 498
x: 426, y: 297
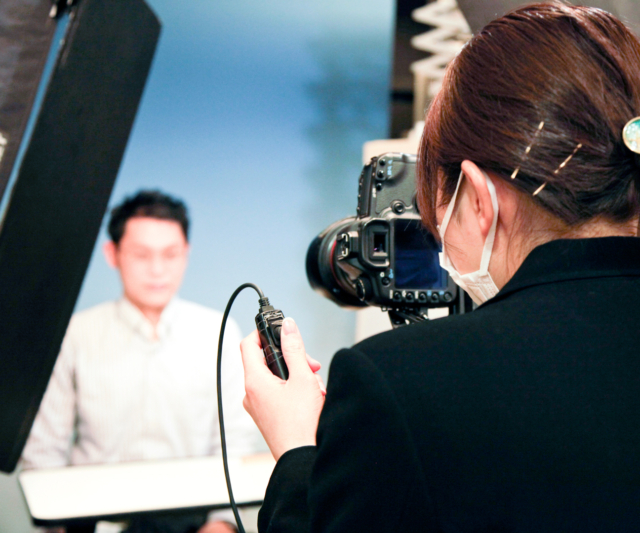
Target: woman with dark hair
x: 524, y: 415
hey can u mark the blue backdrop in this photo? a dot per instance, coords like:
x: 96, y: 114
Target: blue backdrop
x: 255, y: 114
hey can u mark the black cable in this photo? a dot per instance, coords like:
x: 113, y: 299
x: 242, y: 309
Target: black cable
x: 223, y: 441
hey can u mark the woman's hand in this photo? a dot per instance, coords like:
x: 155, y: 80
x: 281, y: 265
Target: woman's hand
x: 286, y: 412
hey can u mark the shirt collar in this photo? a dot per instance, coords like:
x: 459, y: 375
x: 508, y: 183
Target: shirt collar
x: 572, y: 259
x: 132, y: 316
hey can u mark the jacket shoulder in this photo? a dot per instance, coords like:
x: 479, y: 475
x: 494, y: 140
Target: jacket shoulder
x: 429, y: 334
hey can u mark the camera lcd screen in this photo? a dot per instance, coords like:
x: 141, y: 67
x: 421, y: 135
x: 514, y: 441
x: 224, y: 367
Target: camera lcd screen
x: 416, y: 258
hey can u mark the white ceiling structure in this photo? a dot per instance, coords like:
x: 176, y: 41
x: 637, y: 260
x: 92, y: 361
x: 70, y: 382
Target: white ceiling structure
x: 449, y: 34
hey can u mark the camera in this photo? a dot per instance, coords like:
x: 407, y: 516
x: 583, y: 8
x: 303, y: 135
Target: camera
x: 382, y: 256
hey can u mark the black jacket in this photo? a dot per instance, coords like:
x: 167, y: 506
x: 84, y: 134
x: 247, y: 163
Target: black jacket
x: 523, y: 416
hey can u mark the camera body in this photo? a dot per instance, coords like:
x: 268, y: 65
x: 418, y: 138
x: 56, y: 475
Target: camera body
x: 383, y: 256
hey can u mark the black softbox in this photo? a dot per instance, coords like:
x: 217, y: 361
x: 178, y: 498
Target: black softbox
x: 71, y: 79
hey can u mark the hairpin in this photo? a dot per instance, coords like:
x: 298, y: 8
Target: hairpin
x: 526, y: 152
x: 631, y: 135
x: 560, y: 167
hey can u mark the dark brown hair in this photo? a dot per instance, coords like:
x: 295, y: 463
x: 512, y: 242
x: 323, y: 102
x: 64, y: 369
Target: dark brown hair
x: 152, y: 204
x: 575, y: 68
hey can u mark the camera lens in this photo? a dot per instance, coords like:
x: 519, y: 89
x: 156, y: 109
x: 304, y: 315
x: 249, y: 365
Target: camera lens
x: 323, y: 266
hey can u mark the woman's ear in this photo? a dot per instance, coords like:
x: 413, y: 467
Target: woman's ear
x: 481, y: 203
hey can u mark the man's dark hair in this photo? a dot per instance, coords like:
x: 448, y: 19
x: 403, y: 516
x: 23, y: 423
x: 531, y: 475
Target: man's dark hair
x: 152, y: 204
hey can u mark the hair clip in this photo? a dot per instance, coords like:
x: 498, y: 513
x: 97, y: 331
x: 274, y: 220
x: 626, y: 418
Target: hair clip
x: 631, y: 135
x: 535, y: 193
x: 526, y: 152
x: 560, y: 167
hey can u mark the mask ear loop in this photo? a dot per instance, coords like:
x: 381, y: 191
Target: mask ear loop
x: 449, y: 211
x: 491, y: 236
x: 488, y: 243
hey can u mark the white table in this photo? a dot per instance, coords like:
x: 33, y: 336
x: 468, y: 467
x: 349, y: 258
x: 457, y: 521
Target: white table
x: 107, y: 492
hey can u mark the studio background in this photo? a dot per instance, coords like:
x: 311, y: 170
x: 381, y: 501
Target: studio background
x: 255, y: 114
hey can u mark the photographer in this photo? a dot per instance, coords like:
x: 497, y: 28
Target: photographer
x: 522, y: 415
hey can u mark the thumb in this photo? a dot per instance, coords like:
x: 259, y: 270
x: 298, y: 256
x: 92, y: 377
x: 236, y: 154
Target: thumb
x: 293, y: 348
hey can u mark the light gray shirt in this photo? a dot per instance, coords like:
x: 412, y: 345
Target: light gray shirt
x: 117, y: 394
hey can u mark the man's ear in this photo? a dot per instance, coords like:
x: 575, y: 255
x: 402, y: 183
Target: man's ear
x: 110, y: 251
x: 481, y: 198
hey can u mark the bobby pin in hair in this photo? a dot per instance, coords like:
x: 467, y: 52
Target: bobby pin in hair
x: 526, y: 152
x: 562, y: 165
x: 539, y: 189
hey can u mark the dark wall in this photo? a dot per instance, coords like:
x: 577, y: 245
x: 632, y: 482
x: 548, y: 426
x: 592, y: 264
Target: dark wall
x: 26, y: 32
x: 403, y: 55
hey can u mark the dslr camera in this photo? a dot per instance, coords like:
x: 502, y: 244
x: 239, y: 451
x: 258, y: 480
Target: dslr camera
x: 382, y: 256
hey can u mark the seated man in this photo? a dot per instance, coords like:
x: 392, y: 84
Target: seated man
x: 136, y: 378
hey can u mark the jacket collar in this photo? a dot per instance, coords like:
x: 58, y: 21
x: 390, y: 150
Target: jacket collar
x: 572, y: 259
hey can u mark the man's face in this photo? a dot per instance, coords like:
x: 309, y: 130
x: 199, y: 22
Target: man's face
x: 151, y: 257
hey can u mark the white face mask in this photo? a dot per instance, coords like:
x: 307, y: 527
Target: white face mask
x: 479, y: 284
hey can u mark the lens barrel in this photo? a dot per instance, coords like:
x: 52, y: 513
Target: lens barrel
x: 324, y: 274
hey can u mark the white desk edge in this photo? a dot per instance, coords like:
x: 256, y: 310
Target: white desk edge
x: 115, y: 490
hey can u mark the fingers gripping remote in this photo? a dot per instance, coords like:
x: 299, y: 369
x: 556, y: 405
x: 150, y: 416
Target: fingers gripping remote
x: 269, y: 324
